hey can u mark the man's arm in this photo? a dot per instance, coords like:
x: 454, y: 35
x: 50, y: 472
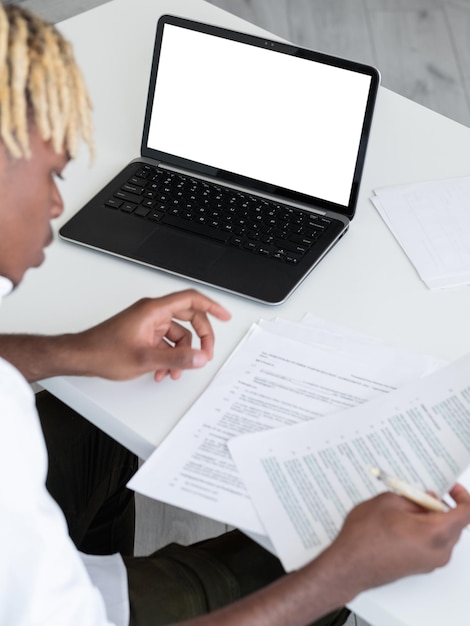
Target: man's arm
x: 146, y: 337
x: 383, y: 539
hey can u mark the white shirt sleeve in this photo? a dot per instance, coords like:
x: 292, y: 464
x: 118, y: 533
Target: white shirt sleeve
x: 109, y: 575
x: 43, y: 580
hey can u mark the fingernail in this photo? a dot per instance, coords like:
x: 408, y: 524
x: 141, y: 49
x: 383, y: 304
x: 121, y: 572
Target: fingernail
x: 199, y: 359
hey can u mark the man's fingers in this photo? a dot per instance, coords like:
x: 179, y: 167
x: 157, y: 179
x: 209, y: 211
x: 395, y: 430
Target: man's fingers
x: 184, y: 305
x: 181, y: 337
x: 460, y: 494
x: 195, y: 308
x: 176, y: 359
x: 178, y: 335
x: 151, y: 335
x: 461, y: 513
x: 205, y: 332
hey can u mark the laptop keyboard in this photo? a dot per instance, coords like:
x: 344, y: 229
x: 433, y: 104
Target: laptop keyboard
x: 226, y: 215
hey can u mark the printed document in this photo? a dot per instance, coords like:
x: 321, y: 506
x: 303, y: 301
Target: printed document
x: 281, y: 374
x: 431, y: 221
x: 304, y: 479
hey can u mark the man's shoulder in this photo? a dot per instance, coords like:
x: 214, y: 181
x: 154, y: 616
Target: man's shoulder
x: 12, y: 382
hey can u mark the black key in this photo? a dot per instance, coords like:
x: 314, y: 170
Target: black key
x: 157, y: 175
x: 161, y: 197
x: 313, y: 233
x: 156, y: 216
x: 267, y: 239
x: 134, y: 180
x: 313, y: 217
x: 144, y: 172
x: 291, y: 247
x: 200, y: 229
x: 236, y: 241
x: 317, y: 224
x: 141, y: 211
x: 281, y: 234
x: 132, y: 188
x: 114, y: 203
x: 128, y: 197
x: 161, y: 206
x: 239, y: 230
x: 250, y: 245
x: 292, y: 258
x: 304, y: 241
x: 128, y: 207
x: 149, y: 193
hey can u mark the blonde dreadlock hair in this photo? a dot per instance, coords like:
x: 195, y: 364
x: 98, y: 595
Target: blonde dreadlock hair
x: 40, y: 82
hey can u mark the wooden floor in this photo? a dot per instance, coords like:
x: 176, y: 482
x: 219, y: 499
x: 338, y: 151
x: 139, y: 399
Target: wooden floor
x: 422, y: 49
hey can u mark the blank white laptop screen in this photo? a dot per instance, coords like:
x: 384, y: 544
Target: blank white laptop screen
x: 281, y: 119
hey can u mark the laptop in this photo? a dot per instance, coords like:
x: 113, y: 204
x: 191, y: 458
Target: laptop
x: 251, y: 158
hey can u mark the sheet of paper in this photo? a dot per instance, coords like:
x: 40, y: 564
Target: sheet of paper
x: 344, y: 342
x: 304, y: 479
x: 431, y: 221
x: 268, y: 382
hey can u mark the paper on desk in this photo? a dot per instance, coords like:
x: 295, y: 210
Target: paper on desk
x: 269, y: 381
x: 431, y: 221
x: 304, y: 479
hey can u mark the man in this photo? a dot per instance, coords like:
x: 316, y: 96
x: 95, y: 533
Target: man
x: 44, y: 111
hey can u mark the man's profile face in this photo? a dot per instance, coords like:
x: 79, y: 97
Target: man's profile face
x: 29, y: 200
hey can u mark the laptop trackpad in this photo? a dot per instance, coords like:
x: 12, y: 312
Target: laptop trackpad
x: 179, y: 252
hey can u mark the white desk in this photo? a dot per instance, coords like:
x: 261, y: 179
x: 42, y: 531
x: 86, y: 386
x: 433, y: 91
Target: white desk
x: 366, y: 282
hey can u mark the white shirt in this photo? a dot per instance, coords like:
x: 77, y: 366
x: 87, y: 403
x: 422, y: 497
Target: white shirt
x: 43, y: 578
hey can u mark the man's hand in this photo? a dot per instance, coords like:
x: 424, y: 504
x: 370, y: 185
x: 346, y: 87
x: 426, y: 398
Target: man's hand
x: 382, y: 539
x: 388, y: 537
x: 146, y: 337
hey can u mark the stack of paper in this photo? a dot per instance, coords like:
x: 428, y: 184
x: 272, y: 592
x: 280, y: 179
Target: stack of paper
x: 304, y: 479
x: 280, y: 375
x: 431, y: 221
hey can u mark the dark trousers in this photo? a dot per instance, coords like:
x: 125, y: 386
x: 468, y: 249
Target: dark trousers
x: 87, y: 477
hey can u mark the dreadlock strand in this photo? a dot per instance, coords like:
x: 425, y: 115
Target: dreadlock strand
x: 56, y: 114
x: 62, y: 84
x: 83, y: 110
x: 38, y: 96
x: 19, y: 75
x: 5, y: 131
x: 4, y: 34
x: 40, y: 83
x: 5, y: 117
